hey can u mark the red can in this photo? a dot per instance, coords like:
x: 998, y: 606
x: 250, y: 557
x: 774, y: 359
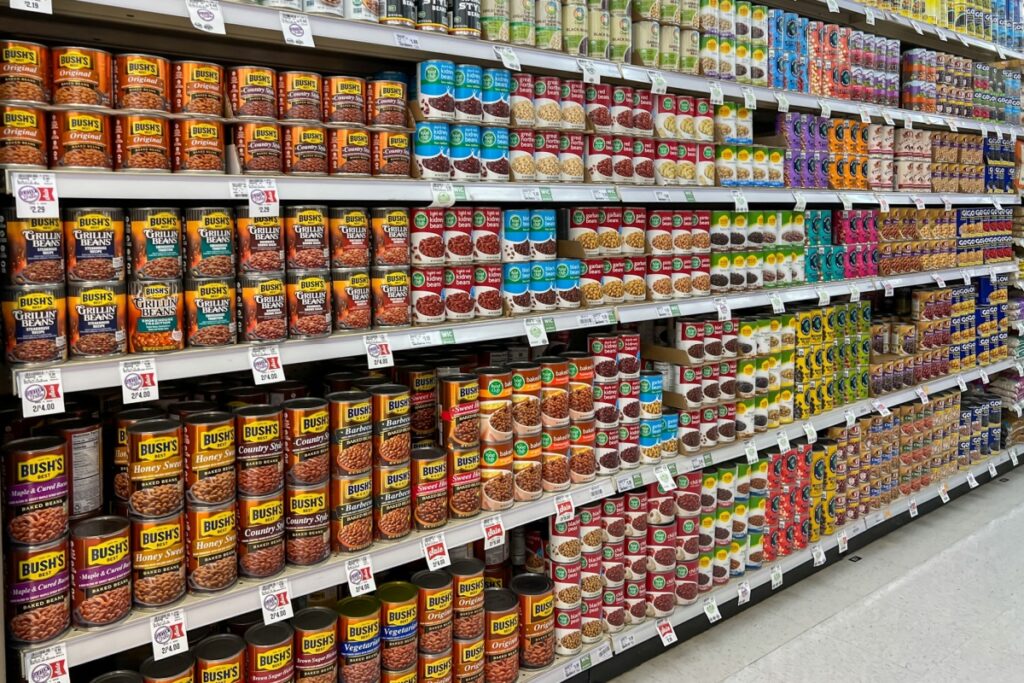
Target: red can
x: 458, y: 235
x: 598, y: 158
x: 487, y: 279
x: 547, y: 98
x: 643, y: 108
x: 622, y: 110
x: 643, y: 160
x: 573, y: 111
x: 487, y: 233
x: 604, y: 348
x: 426, y: 234
x: 598, y: 98
x: 426, y: 289
x: 622, y: 159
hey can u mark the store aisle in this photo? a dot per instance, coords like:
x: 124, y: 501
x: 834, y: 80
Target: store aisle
x: 939, y: 599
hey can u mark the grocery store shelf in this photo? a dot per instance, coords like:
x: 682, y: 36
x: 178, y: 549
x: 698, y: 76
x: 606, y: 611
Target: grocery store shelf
x: 84, y: 646
x: 86, y: 375
x: 380, y: 41
x: 566, y: 667
x: 96, y: 186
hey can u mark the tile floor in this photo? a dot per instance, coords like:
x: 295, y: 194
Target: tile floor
x: 939, y: 599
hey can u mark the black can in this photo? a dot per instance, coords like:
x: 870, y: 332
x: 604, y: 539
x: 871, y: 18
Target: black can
x: 465, y: 18
x: 432, y: 15
x: 399, y: 13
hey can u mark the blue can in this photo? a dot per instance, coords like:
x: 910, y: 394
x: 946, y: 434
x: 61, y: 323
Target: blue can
x: 650, y: 440
x: 515, y: 287
x: 515, y: 236
x: 494, y: 154
x: 497, y: 91
x: 543, y: 224
x: 651, y: 384
x: 669, y: 440
x: 469, y: 79
x: 465, y: 151
x: 435, y: 90
x: 567, y: 282
x: 542, y: 285
x: 432, y: 151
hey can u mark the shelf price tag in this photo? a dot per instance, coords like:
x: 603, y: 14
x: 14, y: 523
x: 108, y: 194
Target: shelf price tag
x: 850, y: 418
x: 992, y: 471
x: 749, y: 98
x: 40, y: 6
x: 776, y: 577
x: 800, y: 200
x: 666, y: 632
x: 35, y: 195
x: 716, y: 93
x: 943, y: 36
x: 783, y: 440
x: 167, y: 634
x: 509, y: 58
x: 261, y: 193
x: 442, y: 195
x: 659, y: 86
x: 627, y: 641
x: 887, y: 286
x: 407, y: 41
x: 887, y: 117
x: 908, y: 121
x: 750, y: 450
x: 563, y: 508
x: 984, y: 375
x: 951, y: 122
x: 918, y: 201
x: 426, y: 338
x: 590, y: 72
x: 869, y: 18
x: 917, y: 27
x: 912, y: 508
x: 571, y: 669
x: 1013, y: 457
x: 971, y: 481
x: 883, y: 203
x: 722, y: 306
x: 810, y: 432
x: 494, y: 531
x: 943, y: 493
x: 711, y: 609
x: 846, y: 200
x: 740, y: 200
x: 833, y: 6
x: 535, y: 332
x: 844, y: 541
x: 296, y: 30
x: 783, y: 102
x: 881, y: 408
x: 665, y: 478
x: 823, y: 296
x: 854, y: 293
x: 435, y: 551
x: 865, y: 115
x: 819, y: 555
x: 139, y: 380
x: 379, y: 353
x: 826, y: 108
x: 743, y: 593
x: 778, y: 307
x: 628, y: 482
x: 50, y: 664
x: 276, y: 601
x: 206, y: 15
x: 531, y: 194
x: 359, y: 571
x: 41, y: 391
x: 923, y: 395
x: 960, y: 383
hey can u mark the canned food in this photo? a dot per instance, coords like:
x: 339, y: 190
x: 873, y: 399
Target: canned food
x: 306, y: 439
x: 155, y: 470
x: 209, y: 242
x: 386, y: 104
x: 316, y: 653
x: 352, y: 514
x: 429, y: 487
x: 349, y: 152
x: 252, y: 92
x: 390, y: 228
x: 35, y: 249
x: 174, y: 669
x: 36, y: 489
x: 155, y: 316
x: 501, y: 635
x: 261, y: 534
x: 143, y: 143
x: 399, y: 624
x: 307, y: 521
x: 390, y: 289
x: 37, y: 605
x: 305, y: 149
x: 262, y: 308
x: 220, y: 658
x: 22, y: 136
x: 537, y: 625
x: 211, y: 550
x: 359, y: 635
x: 392, y: 501
x: 299, y: 95
x: 344, y: 100
x: 349, y: 237
x: 142, y: 82
x: 269, y: 653
x: 154, y: 244
x: 81, y: 139
x: 391, y: 154
x: 198, y: 88
x: 94, y: 240
x: 210, y: 311
x: 82, y: 76
x: 96, y: 319
x: 24, y: 72
x: 468, y: 595
x: 209, y: 442
x: 435, y: 604
x: 309, y: 304
x: 158, y: 560
x: 259, y: 460
x: 259, y: 147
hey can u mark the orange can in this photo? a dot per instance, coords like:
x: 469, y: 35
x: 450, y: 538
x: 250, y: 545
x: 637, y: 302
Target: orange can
x: 307, y: 523
x: 259, y: 147
x: 392, y: 501
x: 212, y: 547
x: 94, y: 241
x: 24, y: 72
x: 82, y: 75
x: 459, y: 399
x: 269, y: 653
x: 260, y: 242
x: 391, y: 154
x: 386, y: 103
x: 435, y: 668
x: 350, y: 237
x: 142, y: 82
x: 349, y: 152
x: 344, y: 100
x: 81, y: 139
x: 307, y: 437
x: 158, y: 560
x: 468, y: 659
x: 468, y: 594
x: 198, y: 88
x: 351, y: 298
x: 535, y: 593
x: 390, y: 227
x: 429, y: 488
x: 464, y: 480
x: 259, y: 451
x: 351, y: 512
x: 299, y: 95
x: 261, y: 534
x: 263, y: 308
x: 309, y: 303
x: 220, y: 658
x: 101, y: 571
x: 398, y: 619
x: 305, y: 149
x: 35, y: 249
x: 209, y: 452
x: 198, y: 146
x: 252, y: 92
x: 143, y: 143
x: 154, y: 237
x: 501, y: 635
x: 351, y: 426
x: 391, y: 422
x: 22, y: 137
x: 434, y: 610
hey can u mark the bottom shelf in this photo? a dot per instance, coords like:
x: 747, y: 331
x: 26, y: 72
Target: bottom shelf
x: 582, y: 665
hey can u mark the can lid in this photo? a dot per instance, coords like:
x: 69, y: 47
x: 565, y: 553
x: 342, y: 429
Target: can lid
x: 265, y: 635
x: 171, y: 667
x: 259, y: 410
x: 388, y: 389
x: 99, y: 526
x: 121, y: 676
x: 397, y: 591
x: 427, y: 453
x: 219, y: 647
x: 499, y: 600
x: 209, y: 417
x: 361, y: 606
x: 469, y: 566
x: 304, y: 403
x: 158, y: 425
x: 314, y: 618
x: 347, y: 396
x: 34, y: 443
x: 431, y: 580
x: 531, y: 584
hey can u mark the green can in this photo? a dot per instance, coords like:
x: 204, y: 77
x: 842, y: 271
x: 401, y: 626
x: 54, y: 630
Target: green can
x: 599, y: 33
x: 495, y: 20
x: 621, y: 38
x: 521, y: 18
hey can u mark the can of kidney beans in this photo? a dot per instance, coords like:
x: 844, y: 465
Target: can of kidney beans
x: 435, y: 604
x: 307, y: 523
x: 359, y: 635
x: 261, y: 537
x: 537, y: 627
x: 211, y: 549
x: 101, y: 590
x: 220, y: 658
x: 36, y: 489
x: 37, y: 605
x: 427, y: 226
x: 398, y: 625
x: 269, y: 654
x: 158, y: 560
x: 429, y: 488
x: 316, y: 649
x: 501, y: 635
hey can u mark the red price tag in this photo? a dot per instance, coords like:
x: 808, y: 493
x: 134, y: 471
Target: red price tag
x: 435, y: 550
x: 275, y: 601
x: 563, y: 508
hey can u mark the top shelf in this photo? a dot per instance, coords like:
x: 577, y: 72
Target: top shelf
x: 336, y: 35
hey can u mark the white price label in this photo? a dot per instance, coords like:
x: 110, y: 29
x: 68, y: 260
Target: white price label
x: 627, y: 641
x: 206, y: 15
x: 971, y: 481
x: 711, y: 609
x: 996, y: 203
x: 922, y: 394
x: 826, y: 108
x: 509, y: 58
x: 777, y: 306
x: 823, y: 296
x: 564, y: 509
x: 810, y: 432
x: 776, y: 577
x: 659, y: 86
x: 850, y: 418
x: 883, y: 203
x: 531, y: 194
x: 743, y: 593
x: 571, y: 669
x: 992, y: 471
x: 1013, y: 457
x: 494, y: 531
x: 749, y: 98
x: 943, y: 36
x: 912, y: 508
x: 952, y: 125
x: 40, y: 6
x: 435, y: 551
x: 276, y: 601
x: 426, y: 338
x: 139, y: 381
x: 716, y: 93
x: 918, y: 201
x: 590, y: 72
x: 442, y: 195
x: 722, y: 306
x: 783, y: 440
x: 665, y: 478
x: 265, y: 362
x: 847, y: 201
x: 984, y: 375
x: 854, y: 293
x: 359, y: 572
x: 800, y: 201
x: 939, y: 280
x: 844, y: 541
x: 264, y: 201
x: 750, y: 450
x: 783, y: 102
x: 35, y: 195
x: 407, y: 41
x: 378, y: 351
x: 666, y: 632
x: 943, y: 493
x: 819, y: 555
x: 965, y: 275
x: 535, y: 332
x: 41, y: 391
x: 917, y: 27
x: 48, y: 665
x: 908, y: 121
x: 1001, y: 51
x: 662, y: 196
x: 740, y: 200
x: 869, y: 18
x: 881, y: 408
x: 961, y: 384
x: 887, y: 117
x: 296, y: 30
x: 833, y: 6
x: 167, y: 633
x: 887, y: 286
x: 865, y: 115
x: 628, y: 482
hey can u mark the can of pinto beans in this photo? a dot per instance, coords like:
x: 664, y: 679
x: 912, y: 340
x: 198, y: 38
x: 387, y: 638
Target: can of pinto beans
x: 399, y: 625
x: 316, y: 648
x: 101, y: 590
x: 307, y: 523
x: 435, y: 605
x: 359, y: 635
x: 211, y: 550
x: 269, y: 654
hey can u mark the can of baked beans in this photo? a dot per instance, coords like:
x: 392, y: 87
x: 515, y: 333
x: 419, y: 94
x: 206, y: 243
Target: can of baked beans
x: 316, y: 647
x: 350, y: 298
x: 501, y: 635
x: 154, y: 243
x: 81, y: 139
x: 35, y: 249
x: 260, y: 242
x: 198, y: 88
x: 307, y: 523
x: 262, y: 308
x: 94, y: 241
x: 422, y: 382
x: 344, y: 100
x: 82, y: 76
x: 398, y: 625
x: 435, y: 667
x: 209, y: 451
x: 390, y: 289
x: 37, y: 601
x: 309, y: 303
x: 220, y: 657
x: 210, y: 241
x: 391, y: 154
x: 391, y: 228
x: 252, y: 92
x: 24, y: 72
x: 359, y: 637
x: 198, y: 146
x: 386, y: 104
x: 142, y: 82
x: 22, y: 136
x: 299, y: 96
x: 261, y: 534
x: 259, y: 147
x: 158, y: 560
x: 349, y: 152
x: 468, y: 598
x: 435, y: 604
x: 429, y: 488
x: 459, y: 400
x: 142, y: 143
x: 305, y: 149
x: 174, y: 669
x: 101, y: 591
x: 96, y: 319
x: 259, y: 460
x: 155, y: 316
x: 155, y: 470
x: 392, y: 501
x: 537, y: 625
x: 464, y: 479
x: 391, y: 423
x: 307, y: 439
x: 269, y: 653
x: 210, y: 311
x: 211, y: 549
x: 351, y: 429
x: 352, y: 512
x: 349, y: 229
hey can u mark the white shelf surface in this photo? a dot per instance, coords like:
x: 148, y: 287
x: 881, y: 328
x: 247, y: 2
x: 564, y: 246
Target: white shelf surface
x: 84, y: 646
x: 592, y: 655
x: 86, y: 375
